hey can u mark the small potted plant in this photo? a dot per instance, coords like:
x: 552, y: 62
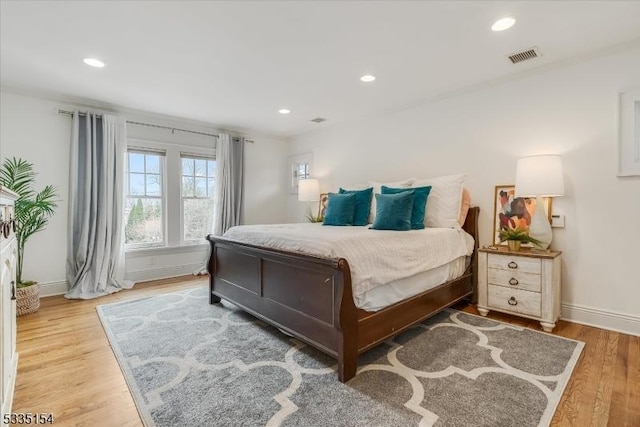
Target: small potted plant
x: 310, y: 217
x: 515, y: 236
x: 32, y: 212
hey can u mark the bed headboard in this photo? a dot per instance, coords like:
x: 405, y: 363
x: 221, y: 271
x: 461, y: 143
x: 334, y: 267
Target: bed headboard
x: 471, y: 223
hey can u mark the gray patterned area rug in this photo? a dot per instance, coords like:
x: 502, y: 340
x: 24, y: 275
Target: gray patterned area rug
x: 189, y: 363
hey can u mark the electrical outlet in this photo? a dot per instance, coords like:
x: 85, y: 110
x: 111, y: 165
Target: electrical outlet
x: 557, y: 221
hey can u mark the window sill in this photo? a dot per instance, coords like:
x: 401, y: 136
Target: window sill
x: 165, y: 250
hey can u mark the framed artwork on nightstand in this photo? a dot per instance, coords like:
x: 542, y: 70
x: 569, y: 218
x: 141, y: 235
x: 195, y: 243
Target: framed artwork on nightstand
x: 511, y: 211
x: 322, y: 204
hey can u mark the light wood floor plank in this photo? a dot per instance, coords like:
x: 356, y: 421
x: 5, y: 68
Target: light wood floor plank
x: 580, y: 393
x: 619, y: 415
x: 66, y: 366
x: 633, y: 380
x: 594, y: 361
x: 602, y: 402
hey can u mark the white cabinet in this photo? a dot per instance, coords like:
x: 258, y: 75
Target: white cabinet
x: 8, y: 259
x: 525, y: 283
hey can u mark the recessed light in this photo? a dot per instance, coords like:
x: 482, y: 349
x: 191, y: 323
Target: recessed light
x: 284, y: 111
x: 503, y: 24
x: 367, y: 78
x: 93, y: 62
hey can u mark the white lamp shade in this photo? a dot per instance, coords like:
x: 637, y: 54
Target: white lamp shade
x: 539, y: 176
x: 308, y: 190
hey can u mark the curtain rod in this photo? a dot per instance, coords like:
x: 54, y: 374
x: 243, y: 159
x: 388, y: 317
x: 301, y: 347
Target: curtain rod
x: 172, y: 129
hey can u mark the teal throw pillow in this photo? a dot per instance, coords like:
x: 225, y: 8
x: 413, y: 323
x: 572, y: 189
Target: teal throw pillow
x: 340, y: 209
x: 363, y: 204
x: 420, y: 195
x: 393, y: 211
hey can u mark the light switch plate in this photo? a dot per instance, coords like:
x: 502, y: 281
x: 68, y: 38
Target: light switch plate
x: 557, y: 221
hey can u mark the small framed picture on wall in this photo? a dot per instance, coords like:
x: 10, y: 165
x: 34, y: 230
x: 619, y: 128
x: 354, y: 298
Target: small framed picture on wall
x: 511, y: 211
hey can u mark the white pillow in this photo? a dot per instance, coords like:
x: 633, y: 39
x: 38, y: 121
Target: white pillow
x: 444, y: 201
x: 377, y: 188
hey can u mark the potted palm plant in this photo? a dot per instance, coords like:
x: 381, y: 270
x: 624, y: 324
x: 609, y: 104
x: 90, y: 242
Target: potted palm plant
x: 515, y: 236
x: 32, y: 212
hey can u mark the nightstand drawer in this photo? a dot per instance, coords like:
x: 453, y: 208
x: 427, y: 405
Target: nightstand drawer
x: 514, y: 300
x: 514, y: 263
x: 514, y: 279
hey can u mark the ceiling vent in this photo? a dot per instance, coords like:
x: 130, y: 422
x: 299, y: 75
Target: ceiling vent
x: 318, y: 120
x: 525, y: 55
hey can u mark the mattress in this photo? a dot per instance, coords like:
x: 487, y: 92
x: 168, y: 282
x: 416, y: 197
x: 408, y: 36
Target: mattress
x: 376, y: 257
x: 391, y: 293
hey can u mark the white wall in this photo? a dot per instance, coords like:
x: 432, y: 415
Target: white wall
x: 31, y: 128
x: 569, y: 111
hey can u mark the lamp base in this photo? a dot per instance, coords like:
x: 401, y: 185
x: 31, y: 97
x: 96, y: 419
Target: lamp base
x: 310, y: 217
x: 540, y: 228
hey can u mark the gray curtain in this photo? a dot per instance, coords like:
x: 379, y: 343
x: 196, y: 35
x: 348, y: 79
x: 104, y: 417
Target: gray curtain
x: 229, y: 183
x: 95, y: 248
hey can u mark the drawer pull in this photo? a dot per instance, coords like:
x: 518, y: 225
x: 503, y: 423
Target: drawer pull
x: 512, y: 301
x: 512, y: 264
x: 513, y: 281
x: 13, y: 290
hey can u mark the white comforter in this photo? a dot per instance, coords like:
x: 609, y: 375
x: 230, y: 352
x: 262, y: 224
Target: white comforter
x: 376, y: 257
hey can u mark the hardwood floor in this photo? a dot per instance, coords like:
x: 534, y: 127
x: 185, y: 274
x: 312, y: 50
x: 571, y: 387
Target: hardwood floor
x: 67, y: 368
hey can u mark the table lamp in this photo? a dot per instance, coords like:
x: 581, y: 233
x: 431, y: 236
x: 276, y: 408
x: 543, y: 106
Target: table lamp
x: 309, y: 191
x: 540, y: 176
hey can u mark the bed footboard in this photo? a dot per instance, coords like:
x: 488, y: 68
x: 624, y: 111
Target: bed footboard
x: 307, y: 297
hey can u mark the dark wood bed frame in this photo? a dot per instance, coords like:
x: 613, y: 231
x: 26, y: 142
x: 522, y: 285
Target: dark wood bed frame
x: 311, y: 298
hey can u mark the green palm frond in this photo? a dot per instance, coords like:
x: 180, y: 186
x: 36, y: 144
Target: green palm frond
x: 46, y: 201
x: 32, y: 210
x: 18, y: 175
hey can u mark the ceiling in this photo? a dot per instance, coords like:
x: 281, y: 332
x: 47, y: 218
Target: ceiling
x: 235, y: 64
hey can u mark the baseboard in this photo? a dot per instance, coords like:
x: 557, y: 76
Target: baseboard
x: 62, y: 287
x: 619, y: 322
x: 54, y: 288
x: 162, y: 272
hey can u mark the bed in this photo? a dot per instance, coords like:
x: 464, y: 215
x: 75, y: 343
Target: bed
x: 311, y: 297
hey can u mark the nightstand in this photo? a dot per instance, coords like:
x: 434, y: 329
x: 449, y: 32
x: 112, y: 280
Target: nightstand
x: 524, y: 283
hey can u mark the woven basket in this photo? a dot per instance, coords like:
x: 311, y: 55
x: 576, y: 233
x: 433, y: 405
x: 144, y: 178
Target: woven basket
x: 28, y: 299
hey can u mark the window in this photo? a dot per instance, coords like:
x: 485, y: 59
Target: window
x: 144, y: 207
x: 303, y: 171
x: 169, y: 194
x: 198, y: 187
x: 299, y: 168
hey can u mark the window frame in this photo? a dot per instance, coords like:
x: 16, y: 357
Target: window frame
x: 163, y: 194
x: 193, y: 156
x: 172, y: 182
x: 293, y: 170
